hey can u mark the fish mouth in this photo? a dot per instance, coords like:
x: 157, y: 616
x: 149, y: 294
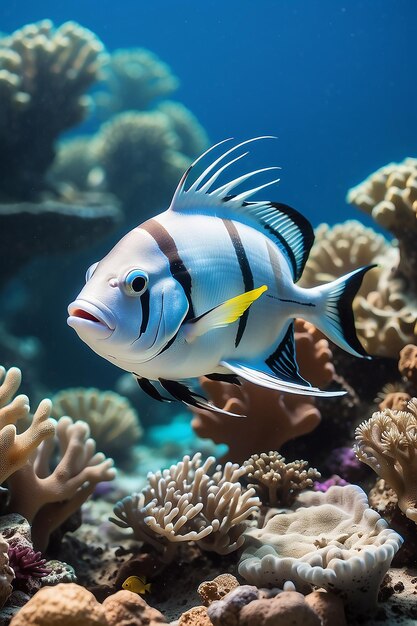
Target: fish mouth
x: 91, y: 318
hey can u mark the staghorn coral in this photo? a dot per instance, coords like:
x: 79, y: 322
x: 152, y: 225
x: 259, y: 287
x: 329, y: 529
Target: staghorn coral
x: 387, y: 442
x: 113, y: 422
x: 48, y: 497
x: 331, y: 540
x: 139, y: 157
x: 17, y: 449
x: 6, y: 572
x: 271, y: 418
x: 187, y: 502
x: 390, y: 196
x: 134, y: 78
x: 44, y: 74
x: 277, y: 482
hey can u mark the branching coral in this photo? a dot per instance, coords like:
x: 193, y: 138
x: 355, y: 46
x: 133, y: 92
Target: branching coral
x: 48, y: 497
x: 113, y: 422
x: 15, y: 450
x: 387, y: 442
x: 277, y: 482
x: 27, y: 563
x: 331, y: 540
x: 187, y: 502
x: 134, y: 78
x: 272, y: 418
x: 6, y: 572
x: 44, y: 74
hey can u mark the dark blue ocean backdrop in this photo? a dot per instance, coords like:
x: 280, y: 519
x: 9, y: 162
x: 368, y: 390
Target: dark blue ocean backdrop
x: 334, y: 81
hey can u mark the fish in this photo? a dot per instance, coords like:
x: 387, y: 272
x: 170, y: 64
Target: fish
x: 137, y: 584
x: 209, y: 288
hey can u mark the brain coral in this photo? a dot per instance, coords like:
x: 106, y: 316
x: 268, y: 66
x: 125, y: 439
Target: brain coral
x: 114, y: 423
x: 44, y: 74
x: 331, y: 540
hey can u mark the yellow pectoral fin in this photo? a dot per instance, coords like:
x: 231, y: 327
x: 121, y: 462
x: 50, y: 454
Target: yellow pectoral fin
x: 223, y: 314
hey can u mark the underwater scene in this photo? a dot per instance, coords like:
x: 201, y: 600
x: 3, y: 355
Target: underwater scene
x: 208, y: 313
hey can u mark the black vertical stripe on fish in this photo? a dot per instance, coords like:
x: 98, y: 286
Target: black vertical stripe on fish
x: 149, y: 389
x: 176, y: 265
x: 144, y: 300
x: 246, y: 272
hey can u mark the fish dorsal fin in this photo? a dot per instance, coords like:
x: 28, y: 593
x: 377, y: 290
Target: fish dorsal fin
x: 290, y: 231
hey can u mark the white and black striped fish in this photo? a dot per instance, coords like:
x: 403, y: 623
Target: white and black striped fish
x: 209, y: 288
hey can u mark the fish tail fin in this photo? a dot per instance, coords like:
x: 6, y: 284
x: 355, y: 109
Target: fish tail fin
x: 336, y: 318
x: 148, y: 587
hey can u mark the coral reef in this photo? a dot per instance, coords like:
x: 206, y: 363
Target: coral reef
x: 276, y: 482
x: 407, y: 364
x: 390, y: 196
x: 271, y: 418
x: 16, y: 450
x: 72, y: 605
x: 138, y: 152
x: 27, y: 563
x: 387, y: 442
x: 44, y: 75
x: 211, y: 590
x: 331, y: 540
x: 47, y: 498
x: 192, y: 138
x: 187, y: 503
x: 6, y: 572
x: 114, y: 423
x: 133, y: 79
x: 54, y: 225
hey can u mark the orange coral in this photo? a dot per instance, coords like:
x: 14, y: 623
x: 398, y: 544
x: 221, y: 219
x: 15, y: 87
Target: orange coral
x: 272, y: 418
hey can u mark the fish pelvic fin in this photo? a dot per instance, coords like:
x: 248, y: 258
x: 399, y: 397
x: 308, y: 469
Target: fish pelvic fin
x: 336, y: 318
x: 221, y: 315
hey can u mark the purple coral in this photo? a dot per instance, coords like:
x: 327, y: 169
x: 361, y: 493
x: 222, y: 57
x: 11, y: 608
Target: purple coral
x: 324, y: 485
x: 343, y: 462
x: 27, y: 563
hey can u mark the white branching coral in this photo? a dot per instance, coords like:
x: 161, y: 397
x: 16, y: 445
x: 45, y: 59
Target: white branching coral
x: 278, y: 482
x: 15, y: 450
x: 189, y: 502
x: 332, y: 540
x: 387, y: 442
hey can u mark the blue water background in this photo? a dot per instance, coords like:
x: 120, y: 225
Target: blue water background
x: 334, y: 81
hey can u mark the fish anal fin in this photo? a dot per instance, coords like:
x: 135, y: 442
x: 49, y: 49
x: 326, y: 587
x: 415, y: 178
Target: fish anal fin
x: 260, y: 374
x: 221, y: 315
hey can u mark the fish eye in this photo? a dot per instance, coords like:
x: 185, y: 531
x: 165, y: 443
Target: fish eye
x: 136, y: 282
x: 90, y: 271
